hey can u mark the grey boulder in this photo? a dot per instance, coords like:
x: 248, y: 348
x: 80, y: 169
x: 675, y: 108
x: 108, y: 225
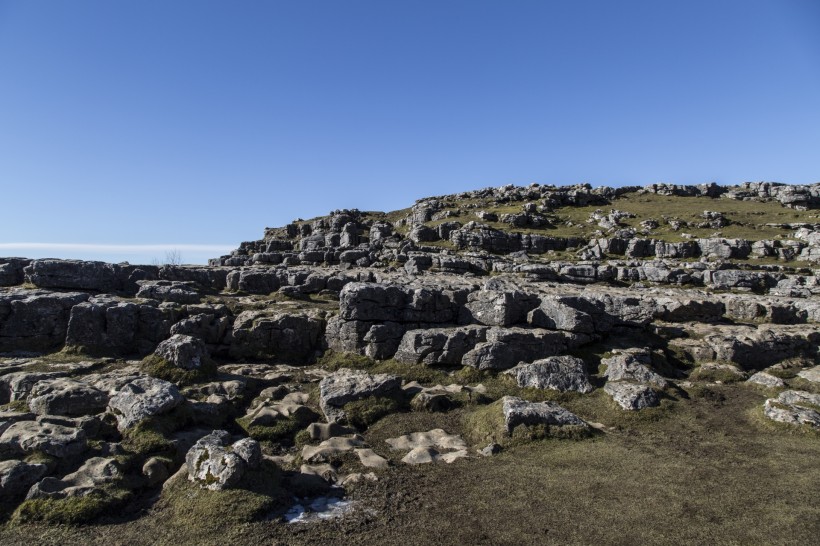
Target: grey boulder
x: 560, y: 373
x: 216, y: 464
x: 142, y: 398
x: 520, y: 412
x: 344, y: 386
x: 632, y: 396
x: 182, y: 351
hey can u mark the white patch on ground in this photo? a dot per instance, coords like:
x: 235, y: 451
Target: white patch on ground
x: 318, y: 509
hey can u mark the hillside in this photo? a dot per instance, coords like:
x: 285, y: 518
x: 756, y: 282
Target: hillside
x: 513, y: 365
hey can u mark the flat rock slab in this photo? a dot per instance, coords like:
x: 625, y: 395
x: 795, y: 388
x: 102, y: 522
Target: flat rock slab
x: 811, y: 374
x: 94, y: 473
x: 370, y: 459
x: 65, y: 396
x: 766, y: 379
x: 426, y: 455
x: 795, y: 408
x: 330, y: 448
x: 520, y: 412
x: 560, y: 373
x: 632, y: 396
x: 437, y: 438
x: 25, y: 437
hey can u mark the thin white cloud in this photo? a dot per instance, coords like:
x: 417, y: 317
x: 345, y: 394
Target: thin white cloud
x: 93, y: 247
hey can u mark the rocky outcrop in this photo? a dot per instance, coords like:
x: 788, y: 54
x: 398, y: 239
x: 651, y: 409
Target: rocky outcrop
x: 292, y: 337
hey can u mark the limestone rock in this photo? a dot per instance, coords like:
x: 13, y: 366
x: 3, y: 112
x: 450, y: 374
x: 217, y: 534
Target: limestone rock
x: 65, y: 396
x: 171, y: 291
x: 142, y: 398
x: 561, y: 373
x: 94, y: 473
x: 185, y: 352
x: 16, y: 477
x: 632, y: 396
x: 290, y: 336
x: 632, y: 365
x: 520, y: 412
x: 216, y: 464
x: 346, y: 385
x: 766, y: 379
x: 439, y: 346
x: 811, y: 374
x: 25, y: 437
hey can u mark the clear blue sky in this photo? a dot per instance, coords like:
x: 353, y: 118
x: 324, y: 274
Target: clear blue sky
x: 200, y: 123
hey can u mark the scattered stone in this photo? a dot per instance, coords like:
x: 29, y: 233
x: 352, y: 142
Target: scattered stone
x: 185, y: 352
x: 766, y: 379
x: 26, y: 437
x: 560, y: 373
x: 216, y: 464
x: 520, y: 412
x: 491, y: 449
x: 631, y: 396
x: 811, y: 374
x: 65, y: 396
x: 370, y: 459
x: 632, y: 365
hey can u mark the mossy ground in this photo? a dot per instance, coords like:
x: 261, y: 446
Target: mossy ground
x: 73, y: 510
x: 711, y: 471
x: 157, y: 366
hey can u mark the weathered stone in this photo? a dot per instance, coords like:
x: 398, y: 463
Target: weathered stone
x: 35, y: 320
x: 632, y: 365
x: 326, y: 451
x: 181, y: 351
x: 216, y: 464
x: 25, y: 437
x: 89, y: 478
x: 142, y: 398
x: 172, y: 291
x: 766, y: 379
x: 65, y: 396
x: 499, y: 308
x: 344, y: 386
x: 438, y: 346
x: 289, y: 336
x: 18, y: 385
x: 811, y: 374
x: 520, y: 412
x: 506, y: 347
x: 16, y: 477
x: 74, y: 275
x: 560, y: 373
x: 632, y: 396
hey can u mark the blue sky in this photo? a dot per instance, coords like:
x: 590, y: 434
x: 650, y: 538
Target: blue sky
x: 130, y: 127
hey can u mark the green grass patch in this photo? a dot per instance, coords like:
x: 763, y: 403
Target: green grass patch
x: 72, y: 510
x: 363, y: 413
x: 157, y: 366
